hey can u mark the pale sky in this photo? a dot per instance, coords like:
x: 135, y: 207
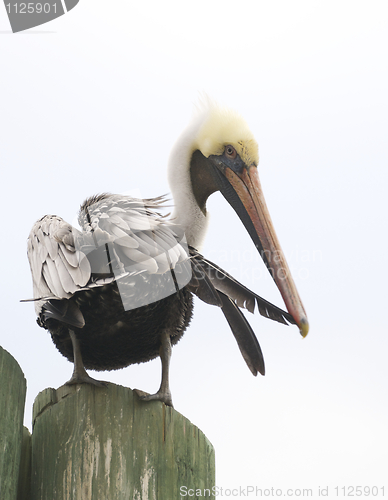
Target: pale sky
x: 93, y: 102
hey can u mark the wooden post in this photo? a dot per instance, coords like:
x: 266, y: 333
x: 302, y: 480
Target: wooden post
x: 24, y: 487
x: 92, y: 443
x: 12, y: 398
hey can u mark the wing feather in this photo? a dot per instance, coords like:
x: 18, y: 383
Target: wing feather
x: 120, y: 234
x: 240, y: 294
x: 141, y: 239
x: 58, y: 268
x: 67, y: 283
x: 244, y: 335
x: 146, y: 262
x: 53, y: 279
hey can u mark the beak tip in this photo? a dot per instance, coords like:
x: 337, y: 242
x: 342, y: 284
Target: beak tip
x: 304, y: 327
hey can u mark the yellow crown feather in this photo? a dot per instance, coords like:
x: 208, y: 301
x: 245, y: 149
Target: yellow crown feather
x: 221, y: 127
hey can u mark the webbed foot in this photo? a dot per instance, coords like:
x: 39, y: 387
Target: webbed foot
x: 85, y: 379
x: 163, y: 396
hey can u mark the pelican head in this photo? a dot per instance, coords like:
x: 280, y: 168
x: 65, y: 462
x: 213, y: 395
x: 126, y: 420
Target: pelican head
x: 218, y: 152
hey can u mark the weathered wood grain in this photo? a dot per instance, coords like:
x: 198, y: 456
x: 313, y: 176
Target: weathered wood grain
x: 93, y: 443
x: 12, y: 398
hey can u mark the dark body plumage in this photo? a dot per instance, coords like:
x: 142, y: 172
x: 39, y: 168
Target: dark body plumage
x: 110, y: 335
x: 113, y: 338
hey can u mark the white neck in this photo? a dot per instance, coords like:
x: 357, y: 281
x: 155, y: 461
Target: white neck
x: 187, y: 213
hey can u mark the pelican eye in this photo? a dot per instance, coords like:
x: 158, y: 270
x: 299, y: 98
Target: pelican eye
x: 230, y: 152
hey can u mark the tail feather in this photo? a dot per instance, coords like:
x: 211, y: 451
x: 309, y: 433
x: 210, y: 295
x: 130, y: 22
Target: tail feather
x: 65, y: 311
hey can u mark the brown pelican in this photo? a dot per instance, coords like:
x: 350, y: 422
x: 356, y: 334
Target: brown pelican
x: 119, y: 291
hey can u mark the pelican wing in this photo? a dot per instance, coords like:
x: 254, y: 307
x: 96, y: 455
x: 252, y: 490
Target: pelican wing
x: 241, y: 295
x: 206, y: 286
x: 244, y: 335
x: 135, y: 237
x: 58, y: 268
x: 202, y: 286
x: 121, y: 237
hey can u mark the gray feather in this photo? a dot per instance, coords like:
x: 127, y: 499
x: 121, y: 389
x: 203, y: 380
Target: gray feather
x: 241, y: 295
x: 131, y: 232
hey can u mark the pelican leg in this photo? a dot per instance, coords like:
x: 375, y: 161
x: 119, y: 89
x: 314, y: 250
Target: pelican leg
x: 80, y: 376
x: 164, y: 393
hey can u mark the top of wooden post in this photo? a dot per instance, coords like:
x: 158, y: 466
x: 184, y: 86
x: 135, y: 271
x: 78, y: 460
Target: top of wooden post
x: 125, y: 447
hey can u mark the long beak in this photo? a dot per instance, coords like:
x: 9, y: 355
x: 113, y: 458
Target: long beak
x: 247, y: 187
